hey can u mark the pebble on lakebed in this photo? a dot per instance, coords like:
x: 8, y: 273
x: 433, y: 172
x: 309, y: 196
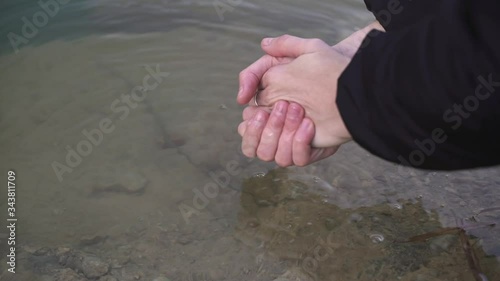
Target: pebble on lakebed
x: 123, y: 181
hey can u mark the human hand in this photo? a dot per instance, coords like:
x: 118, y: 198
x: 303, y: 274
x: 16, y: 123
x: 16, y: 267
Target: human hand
x: 251, y: 77
x: 310, y: 79
x: 272, y: 138
x: 283, y: 135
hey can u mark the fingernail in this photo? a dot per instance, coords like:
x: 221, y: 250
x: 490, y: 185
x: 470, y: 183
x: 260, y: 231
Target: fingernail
x: 240, y: 90
x: 267, y: 41
x: 280, y: 107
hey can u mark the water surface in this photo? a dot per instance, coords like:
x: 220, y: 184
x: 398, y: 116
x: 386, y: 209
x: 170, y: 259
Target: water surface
x: 163, y: 191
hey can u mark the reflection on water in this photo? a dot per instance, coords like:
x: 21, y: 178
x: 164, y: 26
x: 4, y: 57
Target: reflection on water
x: 155, y: 187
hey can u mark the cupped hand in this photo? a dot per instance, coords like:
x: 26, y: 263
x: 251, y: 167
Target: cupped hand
x: 251, y: 77
x: 274, y: 136
x: 309, y: 79
x: 282, y: 135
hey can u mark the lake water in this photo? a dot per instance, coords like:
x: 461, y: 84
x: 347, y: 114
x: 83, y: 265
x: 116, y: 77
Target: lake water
x: 110, y: 188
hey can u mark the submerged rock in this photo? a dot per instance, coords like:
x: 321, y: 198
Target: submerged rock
x: 331, y: 243
x: 90, y: 266
x: 294, y: 274
x: 128, y: 182
x: 68, y: 274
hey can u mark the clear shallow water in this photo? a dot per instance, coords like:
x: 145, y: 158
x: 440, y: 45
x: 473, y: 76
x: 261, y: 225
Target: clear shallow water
x: 144, y: 202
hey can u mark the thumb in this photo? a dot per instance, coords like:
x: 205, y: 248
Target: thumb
x: 291, y: 46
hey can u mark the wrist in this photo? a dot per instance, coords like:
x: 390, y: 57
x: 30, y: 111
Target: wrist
x: 350, y: 45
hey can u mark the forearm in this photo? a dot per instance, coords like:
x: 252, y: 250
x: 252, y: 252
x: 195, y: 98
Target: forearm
x: 391, y: 15
x: 427, y: 95
x: 397, y: 14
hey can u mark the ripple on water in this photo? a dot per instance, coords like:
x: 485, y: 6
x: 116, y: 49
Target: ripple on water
x: 377, y: 238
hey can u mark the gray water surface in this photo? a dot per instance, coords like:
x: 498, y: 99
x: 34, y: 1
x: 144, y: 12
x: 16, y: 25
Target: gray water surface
x: 109, y: 187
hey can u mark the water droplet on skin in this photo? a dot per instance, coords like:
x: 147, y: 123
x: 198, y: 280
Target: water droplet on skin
x: 377, y: 238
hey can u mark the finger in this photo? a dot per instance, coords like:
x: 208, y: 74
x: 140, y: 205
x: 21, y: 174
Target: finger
x: 301, y: 151
x: 251, y: 76
x: 272, y: 132
x: 250, y: 111
x: 242, y: 127
x: 322, y: 153
x: 291, y: 46
x: 294, y: 117
x: 251, y: 138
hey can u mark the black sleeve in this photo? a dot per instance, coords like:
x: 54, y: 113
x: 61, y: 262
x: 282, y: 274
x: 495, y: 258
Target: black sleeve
x: 395, y: 14
x: 429, y: 95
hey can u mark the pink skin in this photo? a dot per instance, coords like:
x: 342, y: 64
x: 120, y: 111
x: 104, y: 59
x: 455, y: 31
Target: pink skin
x: 283, y: 136
x: 284, y: 132
x: 281, y: 133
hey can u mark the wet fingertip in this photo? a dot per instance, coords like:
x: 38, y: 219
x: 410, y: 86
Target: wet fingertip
x: 248, y: 152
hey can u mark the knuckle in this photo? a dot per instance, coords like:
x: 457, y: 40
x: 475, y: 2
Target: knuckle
x: 285, y: 37
x: 292, y: 121
x: 256, y: 126
x: 294, y: 118
x: 300, y: 140
x: 248, y: 74
x: 316, y: 42
x: 269, y: 76
x: 276, y: 123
